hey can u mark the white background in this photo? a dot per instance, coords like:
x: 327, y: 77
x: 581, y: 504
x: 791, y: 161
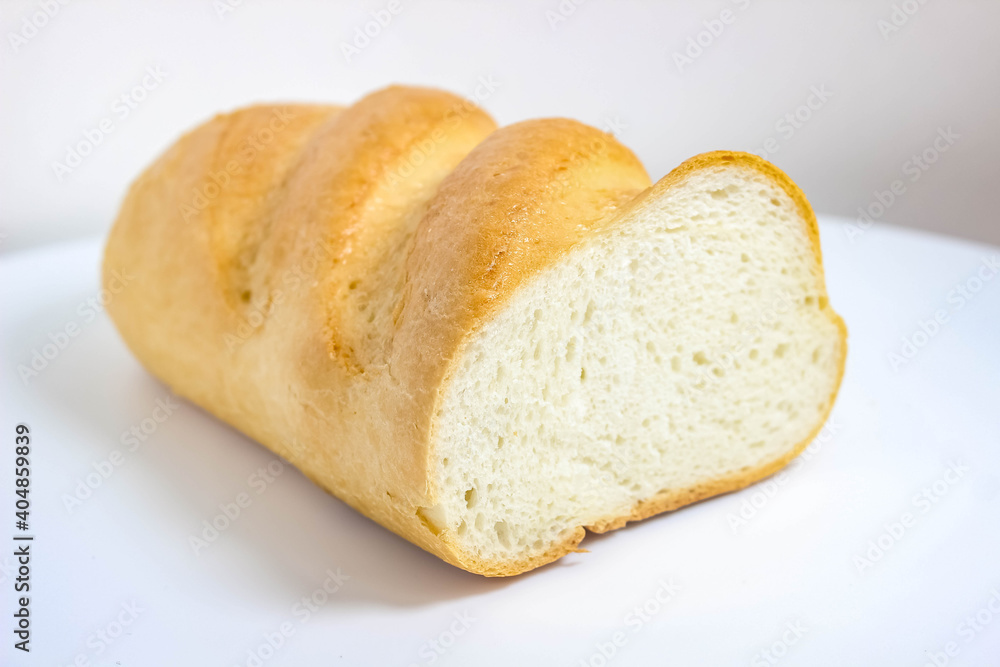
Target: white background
x: 607, y: 60
x: 898, y: 428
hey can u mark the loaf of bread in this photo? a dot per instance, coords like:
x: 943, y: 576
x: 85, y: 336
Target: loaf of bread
x: 487, y: 340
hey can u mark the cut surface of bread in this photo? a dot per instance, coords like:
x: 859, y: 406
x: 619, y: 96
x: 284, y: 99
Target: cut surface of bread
x: 689, y: 349
x: 487, y: 340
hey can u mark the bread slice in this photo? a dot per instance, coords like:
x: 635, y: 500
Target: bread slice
x: 488, y: 340
x: 687, y: 350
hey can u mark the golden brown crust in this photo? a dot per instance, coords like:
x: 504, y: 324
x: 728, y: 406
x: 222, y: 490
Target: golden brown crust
x: 294, y: 358
x: 341, y: 266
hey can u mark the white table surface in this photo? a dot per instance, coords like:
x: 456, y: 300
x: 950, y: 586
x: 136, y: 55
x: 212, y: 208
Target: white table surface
x: 116, y: 581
